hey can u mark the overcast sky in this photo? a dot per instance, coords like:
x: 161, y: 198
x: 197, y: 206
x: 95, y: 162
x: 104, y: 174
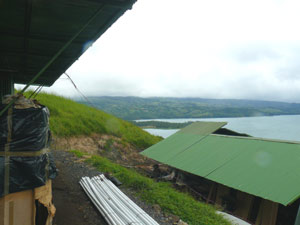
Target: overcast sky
x: 243, y: 49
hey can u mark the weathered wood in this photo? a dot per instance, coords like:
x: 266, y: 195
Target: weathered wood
x: 211, y: 190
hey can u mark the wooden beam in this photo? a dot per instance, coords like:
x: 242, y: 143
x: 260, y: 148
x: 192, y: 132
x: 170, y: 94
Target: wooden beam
x: 297, y: 220
x: 212, y: 188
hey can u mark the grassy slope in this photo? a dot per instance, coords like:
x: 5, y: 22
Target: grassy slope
x: 69, y: 118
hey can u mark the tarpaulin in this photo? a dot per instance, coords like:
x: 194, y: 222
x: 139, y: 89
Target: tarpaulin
x: 25, y: 160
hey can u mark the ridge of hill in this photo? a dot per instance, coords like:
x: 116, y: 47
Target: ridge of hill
x: 133, y: 108
x: 69, y: 118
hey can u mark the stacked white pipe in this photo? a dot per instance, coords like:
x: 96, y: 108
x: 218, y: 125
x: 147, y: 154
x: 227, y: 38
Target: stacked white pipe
x: 113, y: 204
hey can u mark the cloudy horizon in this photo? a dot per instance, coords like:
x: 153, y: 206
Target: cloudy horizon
x: 217, y: 49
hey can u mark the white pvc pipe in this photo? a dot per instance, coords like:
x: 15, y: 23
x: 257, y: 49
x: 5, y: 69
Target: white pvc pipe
x: 90, y: 194
x: 113, y: 204
x: 123, y: 211
x: 110, y: 199
x: 105, y: 209
x: 138, y: 212
x: 129, y: 202
x: 107, y: 206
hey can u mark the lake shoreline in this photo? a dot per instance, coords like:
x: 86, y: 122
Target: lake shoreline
x: 283, y: 127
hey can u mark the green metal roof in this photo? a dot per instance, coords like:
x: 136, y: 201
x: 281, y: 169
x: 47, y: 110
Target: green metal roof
x: 31, y: 32
x: 265, y: 168
x: 202, y: 128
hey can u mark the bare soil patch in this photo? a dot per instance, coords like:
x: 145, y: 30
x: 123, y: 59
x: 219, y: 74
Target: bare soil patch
x: 108, y: 146
x: 72, y: 205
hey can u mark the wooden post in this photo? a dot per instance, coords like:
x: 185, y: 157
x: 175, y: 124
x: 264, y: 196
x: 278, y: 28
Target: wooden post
x: 297, y: 221
x: 210, y: 192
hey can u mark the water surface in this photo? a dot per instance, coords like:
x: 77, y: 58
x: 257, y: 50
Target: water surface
x: 274, y: 127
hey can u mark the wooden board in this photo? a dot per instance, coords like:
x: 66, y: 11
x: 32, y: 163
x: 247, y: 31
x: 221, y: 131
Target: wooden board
x: 267, y: 214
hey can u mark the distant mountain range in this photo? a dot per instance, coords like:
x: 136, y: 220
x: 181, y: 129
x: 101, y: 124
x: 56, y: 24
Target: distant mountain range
x: 133, y: 108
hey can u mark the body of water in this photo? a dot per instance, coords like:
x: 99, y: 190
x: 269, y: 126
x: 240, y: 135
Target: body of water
x: 274, y: 127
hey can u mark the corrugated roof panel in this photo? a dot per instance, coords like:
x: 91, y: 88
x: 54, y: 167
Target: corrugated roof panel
x: 203, y: 157
x: 172, y: 146
x: 202, y: 128
x: 182, y: 140
x: 268, y: 169
x: 263, y: 168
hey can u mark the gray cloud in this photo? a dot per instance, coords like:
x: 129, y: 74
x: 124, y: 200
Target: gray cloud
x: 145, y: 56
x: 253, y: 52
x: 289, y: 72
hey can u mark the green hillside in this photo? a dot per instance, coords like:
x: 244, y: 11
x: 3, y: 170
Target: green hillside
x: 69, y: 118
x: 133, y: 108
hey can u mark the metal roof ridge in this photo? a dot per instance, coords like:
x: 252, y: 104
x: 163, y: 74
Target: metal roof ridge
x: 258, y: 138
x: 208, y: 127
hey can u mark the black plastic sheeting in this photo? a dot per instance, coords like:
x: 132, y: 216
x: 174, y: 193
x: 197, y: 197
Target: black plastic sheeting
x: 30, y: 133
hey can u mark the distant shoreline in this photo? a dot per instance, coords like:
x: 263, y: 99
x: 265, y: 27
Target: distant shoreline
x: 135, y: 108
x: 192, y: 118
x: 160, y: 124
x: 282, y: 127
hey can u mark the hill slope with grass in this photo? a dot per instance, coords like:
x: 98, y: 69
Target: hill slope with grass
x: 68, y: 118
x: 112, y: 145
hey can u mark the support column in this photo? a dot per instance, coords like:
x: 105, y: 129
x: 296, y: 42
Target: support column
x: 297, y: 222
x: 6, y: 86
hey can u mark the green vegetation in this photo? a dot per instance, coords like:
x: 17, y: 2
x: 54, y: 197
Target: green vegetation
x: 77, y: 153
x: 69, y: 118
x: 108, y: 144
x: 133, y: 108
x: 161, y: 193
x: 160, y: 125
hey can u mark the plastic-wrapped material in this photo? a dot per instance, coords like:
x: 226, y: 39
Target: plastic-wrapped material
x: 27, y: 172
x: 30, y: 129
x: 25, y: 162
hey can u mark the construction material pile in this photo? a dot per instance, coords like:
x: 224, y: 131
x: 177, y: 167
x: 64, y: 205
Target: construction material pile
x: 114, y: 205
x: 25, y: 161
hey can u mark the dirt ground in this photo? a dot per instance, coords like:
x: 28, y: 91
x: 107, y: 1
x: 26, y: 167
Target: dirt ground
x: 108, y: 146
x: 73, y: 206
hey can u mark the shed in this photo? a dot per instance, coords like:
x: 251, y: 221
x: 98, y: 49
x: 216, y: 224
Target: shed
x: 255, y: 167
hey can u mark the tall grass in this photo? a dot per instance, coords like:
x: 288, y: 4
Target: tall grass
x: 68, y: 118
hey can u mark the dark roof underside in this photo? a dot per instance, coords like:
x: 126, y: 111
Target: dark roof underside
x: 32, y: 31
